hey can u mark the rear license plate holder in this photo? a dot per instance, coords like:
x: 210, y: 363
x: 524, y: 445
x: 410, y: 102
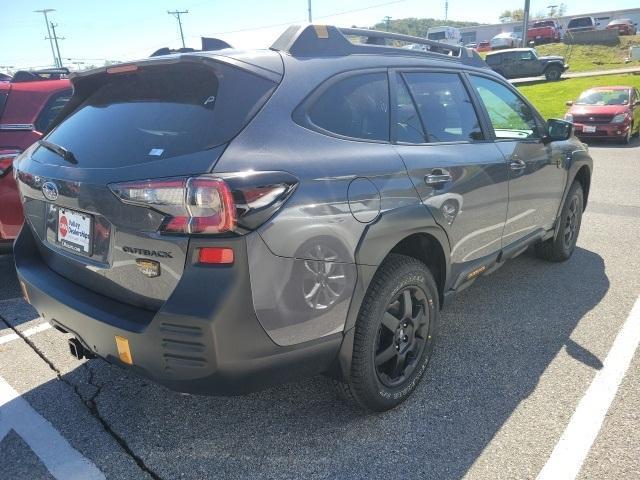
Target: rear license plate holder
x: 589, y: 129
x: 74, y: 231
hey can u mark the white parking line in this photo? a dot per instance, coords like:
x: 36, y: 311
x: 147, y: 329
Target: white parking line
x: 574, y: 445
x: 27, y: 333
x: 61, y: 459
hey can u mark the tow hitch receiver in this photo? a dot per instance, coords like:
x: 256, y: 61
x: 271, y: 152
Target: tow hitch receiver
x: 78, y: 351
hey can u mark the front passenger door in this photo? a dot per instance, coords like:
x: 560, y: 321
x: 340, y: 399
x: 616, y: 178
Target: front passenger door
x: 458, y: 172
x: 536, y: 177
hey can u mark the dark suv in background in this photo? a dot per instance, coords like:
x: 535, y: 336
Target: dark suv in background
x: 225, y: 221
x: 525, y: 62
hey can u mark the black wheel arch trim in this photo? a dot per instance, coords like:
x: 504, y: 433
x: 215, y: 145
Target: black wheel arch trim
x: 376, y: 243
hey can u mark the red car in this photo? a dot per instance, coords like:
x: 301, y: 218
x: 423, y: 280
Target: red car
x: 28, y: 104
x: 484, y: 46
x: 544, y: 31
x: 623, y: 25
x: 606, y: 113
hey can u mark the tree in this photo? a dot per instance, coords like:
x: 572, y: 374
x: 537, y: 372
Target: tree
x: 418, y: 26
x: 516, y: 15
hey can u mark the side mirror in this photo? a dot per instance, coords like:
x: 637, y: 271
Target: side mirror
x: 558, y: 130
x: 636, y: 103
x: 568, y: 103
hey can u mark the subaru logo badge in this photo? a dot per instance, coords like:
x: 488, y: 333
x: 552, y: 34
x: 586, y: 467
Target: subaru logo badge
x: 50, y: 191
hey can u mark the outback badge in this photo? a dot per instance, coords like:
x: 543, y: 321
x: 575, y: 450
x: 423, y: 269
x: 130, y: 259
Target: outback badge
x: 149, y: 268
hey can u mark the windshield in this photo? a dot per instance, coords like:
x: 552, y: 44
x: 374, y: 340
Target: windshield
x: 580, y: 22
x: 604, y: 97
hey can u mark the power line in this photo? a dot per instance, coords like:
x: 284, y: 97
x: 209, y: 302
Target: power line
x: 46, y: 21
x: 177, y: 13
x: 344, y: 12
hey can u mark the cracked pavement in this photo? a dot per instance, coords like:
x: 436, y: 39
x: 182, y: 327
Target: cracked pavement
x: 516, y: 354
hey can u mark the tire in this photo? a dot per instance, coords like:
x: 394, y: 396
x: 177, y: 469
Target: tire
x: 553, y: 73
x: 394, y: 335
x: 560, y: 248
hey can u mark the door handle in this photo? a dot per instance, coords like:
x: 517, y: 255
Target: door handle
x: 517, y: 165
x: 438, y: 176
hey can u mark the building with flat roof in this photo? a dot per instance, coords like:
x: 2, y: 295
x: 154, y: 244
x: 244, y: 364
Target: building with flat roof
x: 481, y: 33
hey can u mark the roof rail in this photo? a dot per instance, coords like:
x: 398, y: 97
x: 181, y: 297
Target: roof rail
x: 329, y: 41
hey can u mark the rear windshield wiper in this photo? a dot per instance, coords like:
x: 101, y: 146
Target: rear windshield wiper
x: 63, y: 152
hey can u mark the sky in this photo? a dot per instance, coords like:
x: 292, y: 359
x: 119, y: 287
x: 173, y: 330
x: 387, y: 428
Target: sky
x: 122, y: 30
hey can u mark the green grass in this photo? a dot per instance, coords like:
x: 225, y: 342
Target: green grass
x: 585, y: 58
x: 550, y: 97
x: 582, y: 58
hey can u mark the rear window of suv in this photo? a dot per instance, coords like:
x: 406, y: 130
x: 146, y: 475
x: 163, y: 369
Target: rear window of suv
x: 159, y: 113
x: 580, y: 22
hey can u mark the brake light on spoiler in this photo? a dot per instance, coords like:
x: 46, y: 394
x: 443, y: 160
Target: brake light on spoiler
x: 209, y: 204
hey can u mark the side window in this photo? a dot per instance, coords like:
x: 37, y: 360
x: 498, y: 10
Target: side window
x: 51, y: 109
x: 408, y: 126
x: 494, y: 59
x: 356, y: 107
x: 444, y: 106
x: 510, y: 116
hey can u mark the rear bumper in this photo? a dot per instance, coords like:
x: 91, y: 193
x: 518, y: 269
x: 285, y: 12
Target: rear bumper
x: 205, y: 339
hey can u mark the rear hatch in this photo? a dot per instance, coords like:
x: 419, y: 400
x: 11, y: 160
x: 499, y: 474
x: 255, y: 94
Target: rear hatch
x: 168, y: 117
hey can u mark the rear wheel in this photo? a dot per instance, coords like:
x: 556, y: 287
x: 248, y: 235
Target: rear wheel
x: 553, y: 73
x: 561, y: 247
x: 394, y: 334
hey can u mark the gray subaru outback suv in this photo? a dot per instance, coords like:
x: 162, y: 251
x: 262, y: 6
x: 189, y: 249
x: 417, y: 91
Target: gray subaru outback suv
x: 225, y: 221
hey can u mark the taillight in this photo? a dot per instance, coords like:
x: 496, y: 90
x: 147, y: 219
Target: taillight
x: 6, y: 160
x: 208, y: 204
x: 194, y: 205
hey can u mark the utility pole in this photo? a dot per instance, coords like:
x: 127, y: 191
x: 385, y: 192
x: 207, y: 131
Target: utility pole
x: 310, y: 17
x: 46, y: 22
x: 446, y: 10
x: 525, y: 22
x: 55, y: 39
x: 387, y: 20
x: 177, y: 13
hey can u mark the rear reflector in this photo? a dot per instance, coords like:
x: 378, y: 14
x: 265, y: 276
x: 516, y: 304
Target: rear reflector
x: 215, y: 255
x: 123, y: 350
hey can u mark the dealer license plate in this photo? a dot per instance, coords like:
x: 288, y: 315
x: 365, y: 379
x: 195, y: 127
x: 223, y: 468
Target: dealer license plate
x: 75, y: 231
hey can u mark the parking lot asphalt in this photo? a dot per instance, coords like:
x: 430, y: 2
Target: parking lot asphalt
x: 516, y: 355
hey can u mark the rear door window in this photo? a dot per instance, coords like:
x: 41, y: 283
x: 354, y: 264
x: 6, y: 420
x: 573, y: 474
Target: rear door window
x: 444, y: 107
x: 160, y: 112
x: 355, y: 107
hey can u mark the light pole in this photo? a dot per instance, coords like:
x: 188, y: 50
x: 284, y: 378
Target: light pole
x: 525, y: 22
x: 46, y: 21
x: 309, y: 8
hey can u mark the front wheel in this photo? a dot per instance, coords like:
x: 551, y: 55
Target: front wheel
x: 553, y: 73
x: 394, y: 334
x: 561, y: 247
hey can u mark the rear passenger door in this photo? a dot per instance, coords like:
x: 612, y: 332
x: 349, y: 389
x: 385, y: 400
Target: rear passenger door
x: 459, y: 174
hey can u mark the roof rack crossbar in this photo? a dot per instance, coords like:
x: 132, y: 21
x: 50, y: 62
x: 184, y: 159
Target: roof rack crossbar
x: 326, y: 40
x: 437, y: 47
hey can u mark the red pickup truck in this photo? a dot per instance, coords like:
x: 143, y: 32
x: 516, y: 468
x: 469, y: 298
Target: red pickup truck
x: 544, y: 31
